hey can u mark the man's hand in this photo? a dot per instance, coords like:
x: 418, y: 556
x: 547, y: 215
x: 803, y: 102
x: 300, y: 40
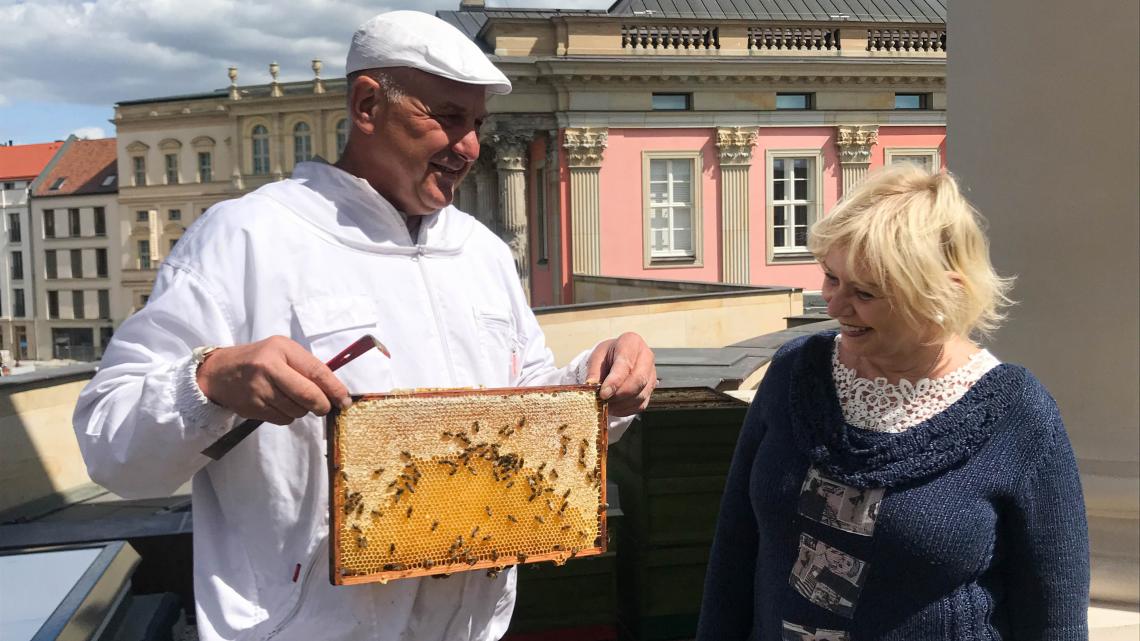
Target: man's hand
x: 624, y: 365
x: 273, y: 380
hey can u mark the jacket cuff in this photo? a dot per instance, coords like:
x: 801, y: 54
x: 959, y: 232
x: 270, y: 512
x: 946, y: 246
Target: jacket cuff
x: 197, y: 411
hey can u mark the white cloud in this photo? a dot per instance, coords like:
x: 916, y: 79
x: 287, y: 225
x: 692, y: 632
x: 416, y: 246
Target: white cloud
x: 99, y: 53
x: 90, y: 133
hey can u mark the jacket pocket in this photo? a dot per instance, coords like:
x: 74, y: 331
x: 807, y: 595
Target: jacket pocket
x: 329, y: 324
x: 498, y: 344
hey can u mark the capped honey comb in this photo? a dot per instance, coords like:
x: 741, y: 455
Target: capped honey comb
x: 435, y: 482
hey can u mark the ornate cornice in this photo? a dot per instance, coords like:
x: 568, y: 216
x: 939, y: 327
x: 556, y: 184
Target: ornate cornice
x: 511, y: 149
x: 855, y: 142
x: 735, y: 144
x: 586, y: 146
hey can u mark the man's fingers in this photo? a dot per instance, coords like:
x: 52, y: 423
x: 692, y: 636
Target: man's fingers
x: 301, y: 391
x: 311, y: 368
x: 617, y: 379
x: 597, y: 361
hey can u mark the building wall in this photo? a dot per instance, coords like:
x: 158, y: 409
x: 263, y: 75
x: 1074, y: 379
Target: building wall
x: 14, y: 202
x: 71, y: 277
x: 1044, y: 140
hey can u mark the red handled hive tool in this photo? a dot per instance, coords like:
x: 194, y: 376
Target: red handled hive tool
x: 227, y: 442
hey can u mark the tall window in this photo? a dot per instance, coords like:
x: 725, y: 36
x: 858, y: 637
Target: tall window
x: 671, y: 208
x: 302, y: 143
x: 53, y: 303
x: 18, y: 309
x: 139, y: 164
x: 77, y: 303
x: 100, y: 222
x: 17, y: 265
x: 76, y: 263
x: 73, y: 222
x: 49, y: 223
x: 793, y: 198
x: 50, y: 269
x: 260, y: 148
x: 14, y: 234
x: 927, y: 158
x: 341, y: 135
x: 205, y: 166
x: 101, y: 262
x: 144, y: 254
x: 171, y: 169
x: 104, y: 303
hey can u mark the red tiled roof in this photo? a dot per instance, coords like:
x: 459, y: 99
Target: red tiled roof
x: 85, y: 167
x: 23, y: 162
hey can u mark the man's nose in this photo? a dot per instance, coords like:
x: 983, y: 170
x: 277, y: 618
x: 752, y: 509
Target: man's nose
x: 467, y: 147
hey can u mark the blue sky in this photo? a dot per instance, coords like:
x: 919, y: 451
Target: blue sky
x: 66, y: 62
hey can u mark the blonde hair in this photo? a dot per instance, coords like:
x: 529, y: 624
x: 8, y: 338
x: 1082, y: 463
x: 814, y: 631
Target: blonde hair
x: 917, y: 240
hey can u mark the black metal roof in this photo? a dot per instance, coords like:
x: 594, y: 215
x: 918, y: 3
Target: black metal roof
x: 472, y: 21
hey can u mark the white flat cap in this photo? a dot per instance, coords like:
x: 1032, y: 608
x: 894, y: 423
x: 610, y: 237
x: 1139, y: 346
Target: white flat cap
x: 422, y: 41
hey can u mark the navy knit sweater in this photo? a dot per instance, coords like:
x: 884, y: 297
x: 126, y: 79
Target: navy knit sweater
x: 970, y: 525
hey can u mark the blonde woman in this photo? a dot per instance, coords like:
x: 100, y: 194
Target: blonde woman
x: 893, y: 480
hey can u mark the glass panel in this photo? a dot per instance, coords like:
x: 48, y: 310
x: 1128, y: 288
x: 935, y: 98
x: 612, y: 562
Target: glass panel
x: 778, y: 216
x: 682, y: 193
x: 801, y: 189
x: 779, y: 190
x: 670, y: 102
x: 792, y: 101
x: 683, y: 240
x: 34, y: 584
x: 658, y: 170
x: 682, y: 218
x: 778, y: 169
x: 778, y: 237
x: 908, y: 101
x: 658, y: 193
x: 801, y: 236
x: 659, y: 240
x: 800, y: 167
x: 801, y: 214
x: 659, y: 219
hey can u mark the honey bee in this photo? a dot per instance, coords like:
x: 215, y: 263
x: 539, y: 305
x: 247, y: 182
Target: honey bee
x: 558, y: 548
x: 566, y: 495
x: 493, y: 573
x: 538, y: 517
x: 406, y: 457
x: 474, y: 531
x: 488, y: 510
x: 377, y: 514
x: 362, y: 542
x: 429, y: 564
x: 410, y: 511
x: 512, y: 519
x: 434, y: 525
x: 377, y: 472
x: 356, y: 528
x: 521, y: 557
x: 475, y: 427
x: 391, y: 549
x: 554, y: 475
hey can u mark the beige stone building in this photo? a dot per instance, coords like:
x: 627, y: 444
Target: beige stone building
x: 602, y: 100
x: 74, y: 244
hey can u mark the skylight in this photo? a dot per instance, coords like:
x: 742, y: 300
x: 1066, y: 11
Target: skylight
x: 57, y: 184
x: 109, y: 180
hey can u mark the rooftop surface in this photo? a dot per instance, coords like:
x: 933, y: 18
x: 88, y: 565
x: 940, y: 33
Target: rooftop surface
x: 83, y: 167
x: 21, y: 162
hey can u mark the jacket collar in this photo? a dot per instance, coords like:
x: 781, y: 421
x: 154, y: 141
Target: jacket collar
x: 349, y: 210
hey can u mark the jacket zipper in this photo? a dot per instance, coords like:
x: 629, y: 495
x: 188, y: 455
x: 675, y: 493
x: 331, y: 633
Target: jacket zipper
x: 418, y: 258
x: 300, y: 597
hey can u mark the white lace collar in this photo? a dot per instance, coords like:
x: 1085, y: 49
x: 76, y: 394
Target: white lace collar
x: 885, y: 407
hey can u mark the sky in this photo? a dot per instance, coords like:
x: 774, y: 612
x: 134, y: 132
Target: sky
x: 66, y: 63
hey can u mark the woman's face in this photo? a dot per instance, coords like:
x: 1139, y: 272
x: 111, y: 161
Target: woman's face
x: 870, y: 326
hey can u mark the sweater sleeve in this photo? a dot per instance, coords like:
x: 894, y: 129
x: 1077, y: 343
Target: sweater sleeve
x: 140, y: 427
x: 1048, y: 586
x: 726, y: 608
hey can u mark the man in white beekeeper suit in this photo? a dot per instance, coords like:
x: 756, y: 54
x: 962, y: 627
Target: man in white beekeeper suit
x: 283, y: 279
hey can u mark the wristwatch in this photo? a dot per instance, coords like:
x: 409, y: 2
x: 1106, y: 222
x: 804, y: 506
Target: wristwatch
x: 199, y: 355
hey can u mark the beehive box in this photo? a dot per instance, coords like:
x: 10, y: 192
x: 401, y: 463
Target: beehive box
x: 435, y: 482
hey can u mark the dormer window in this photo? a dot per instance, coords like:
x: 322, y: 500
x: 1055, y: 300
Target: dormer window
x: 57, y: 184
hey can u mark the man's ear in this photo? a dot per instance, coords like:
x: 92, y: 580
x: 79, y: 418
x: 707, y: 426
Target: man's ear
x: 364, y: 103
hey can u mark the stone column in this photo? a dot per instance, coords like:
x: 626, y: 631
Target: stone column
x: 485, y: 194
x: 735, y: 145
x: 585, y: 147
x: 855, y: 142
x: 511, y: 150
x: 554, y: 206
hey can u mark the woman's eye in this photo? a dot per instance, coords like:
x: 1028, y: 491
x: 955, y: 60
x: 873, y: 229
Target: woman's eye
x: 864, y: 295
x: 829, y: 278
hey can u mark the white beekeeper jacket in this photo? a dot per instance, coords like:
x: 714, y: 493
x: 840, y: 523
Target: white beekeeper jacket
x: 323, y: 259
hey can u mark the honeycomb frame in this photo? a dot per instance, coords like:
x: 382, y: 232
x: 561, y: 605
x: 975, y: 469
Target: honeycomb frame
x: 400, y: 509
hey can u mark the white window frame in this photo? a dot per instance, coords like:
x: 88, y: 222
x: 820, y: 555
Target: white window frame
x: 659, y: 261
x: 254, y: 156
x: 784, y: 255
x: 302, y: 142
x: 170, y: 170
x: 890, y: 154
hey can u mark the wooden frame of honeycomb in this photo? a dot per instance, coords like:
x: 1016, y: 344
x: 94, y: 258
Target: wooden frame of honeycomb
x: 434, y: 482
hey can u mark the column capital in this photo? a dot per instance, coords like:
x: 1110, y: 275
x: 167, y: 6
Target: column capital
x: 735, y: 144
x: 511, y: 149
x: 855, y: 142
x: 586, y: 145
